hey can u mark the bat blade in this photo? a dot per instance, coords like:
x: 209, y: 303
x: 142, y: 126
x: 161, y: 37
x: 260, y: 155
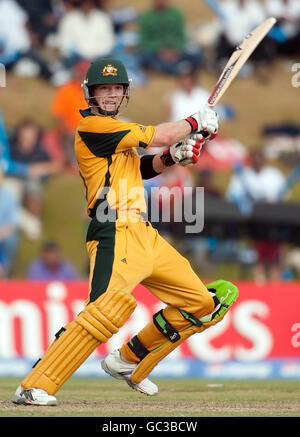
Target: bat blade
x: 238, y: 59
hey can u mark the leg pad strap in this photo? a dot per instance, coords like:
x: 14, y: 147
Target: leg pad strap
x: 138, y: 348
x: 165, y: 327
x: 154, y: 357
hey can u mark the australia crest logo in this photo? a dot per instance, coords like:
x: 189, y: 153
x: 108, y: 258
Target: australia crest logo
x: 109, y: 70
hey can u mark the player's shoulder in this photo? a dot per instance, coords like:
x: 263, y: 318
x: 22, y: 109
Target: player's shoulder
x: 90, y: 121
x: 88, y: 116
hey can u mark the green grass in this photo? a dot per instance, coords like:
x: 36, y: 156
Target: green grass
x: 176, y: 398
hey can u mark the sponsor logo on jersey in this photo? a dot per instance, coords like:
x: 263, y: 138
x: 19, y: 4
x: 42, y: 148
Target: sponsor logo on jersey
x: 142, y: 128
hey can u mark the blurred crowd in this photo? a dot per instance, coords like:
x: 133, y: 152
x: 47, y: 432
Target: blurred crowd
x: 51, y: 36
x: 57, y: 39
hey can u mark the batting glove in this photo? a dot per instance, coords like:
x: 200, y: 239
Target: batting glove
x: 186, y: 153
x: 205, y: 121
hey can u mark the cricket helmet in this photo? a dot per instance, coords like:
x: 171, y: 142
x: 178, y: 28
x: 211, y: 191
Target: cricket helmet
x: 105, y: 71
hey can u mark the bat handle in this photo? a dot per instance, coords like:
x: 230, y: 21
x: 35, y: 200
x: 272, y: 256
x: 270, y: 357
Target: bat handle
x: 204, y: 133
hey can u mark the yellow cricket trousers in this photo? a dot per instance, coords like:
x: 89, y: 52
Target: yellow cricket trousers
x: 123, y: 255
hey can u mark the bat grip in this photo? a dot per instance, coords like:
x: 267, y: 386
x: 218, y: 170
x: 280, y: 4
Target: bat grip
x: 204, y: 133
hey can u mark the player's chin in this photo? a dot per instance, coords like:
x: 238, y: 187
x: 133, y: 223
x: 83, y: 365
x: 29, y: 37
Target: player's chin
x: 109, y: 108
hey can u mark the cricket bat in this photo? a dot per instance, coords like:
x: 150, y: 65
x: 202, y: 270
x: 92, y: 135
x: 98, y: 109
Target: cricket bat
x: 239, y: 58
x: 236, y: 62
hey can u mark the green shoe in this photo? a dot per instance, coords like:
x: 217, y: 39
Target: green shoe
x: 224, y: 294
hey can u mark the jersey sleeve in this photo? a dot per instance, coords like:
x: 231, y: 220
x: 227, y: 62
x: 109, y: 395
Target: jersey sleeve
x: 105, y: 136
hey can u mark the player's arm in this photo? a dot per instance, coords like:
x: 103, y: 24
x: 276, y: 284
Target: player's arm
x: 205, y: 120
x: 105, y: 135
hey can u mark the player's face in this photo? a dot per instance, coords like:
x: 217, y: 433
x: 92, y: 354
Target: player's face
x: 109, y: 96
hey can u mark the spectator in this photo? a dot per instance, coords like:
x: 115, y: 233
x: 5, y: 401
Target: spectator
x: 249, y: 186
x: 7, y: 165
x: 255, y: 183
x: 292, y: 261
x: 23, y: 170
x: 287, y: 31
x: 50, y: 266
x: 267, y: 266
x: 188, y: 95
x: 9, y: 221
x: 241, y: 17
x: 26, y: 149
x: 14, y: 36
x: 124, y: 19
x: 68, y: 100
x: 85, y: 33
x: 17, y: 49
x: 163, y: 43
x: 121, y: 16
x: 204, y: 178
x: 185, y: 96
x: 42, y: 19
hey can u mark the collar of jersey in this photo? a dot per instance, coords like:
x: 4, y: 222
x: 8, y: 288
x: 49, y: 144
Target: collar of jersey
x: 86, y: 112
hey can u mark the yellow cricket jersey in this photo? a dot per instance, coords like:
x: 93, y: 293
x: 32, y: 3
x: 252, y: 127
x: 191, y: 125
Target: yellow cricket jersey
x: 109, y: 164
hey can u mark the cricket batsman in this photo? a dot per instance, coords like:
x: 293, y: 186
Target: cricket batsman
x: 124, y: 249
